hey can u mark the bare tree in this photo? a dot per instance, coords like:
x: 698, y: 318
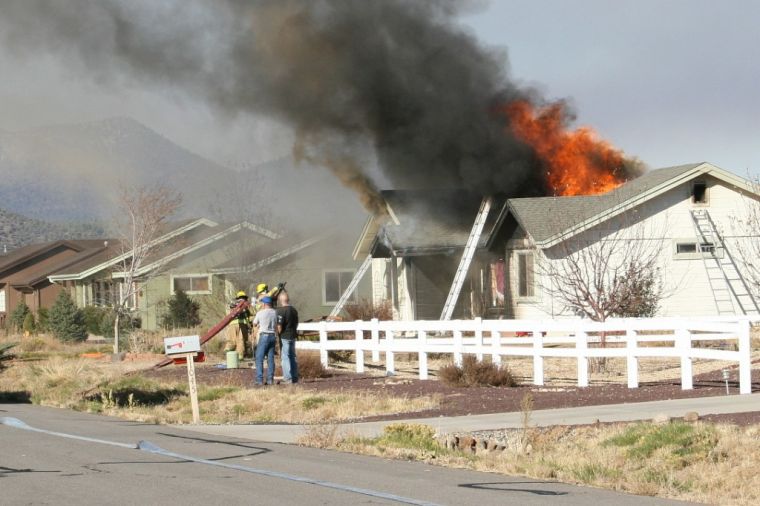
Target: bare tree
x: 745, y: 228
x: 143, y: 215
x: 604, y: 275
x: 612, y: 271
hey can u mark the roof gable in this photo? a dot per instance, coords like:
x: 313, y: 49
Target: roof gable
x: 550, y: 220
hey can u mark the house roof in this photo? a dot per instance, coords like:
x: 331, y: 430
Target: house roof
x: 425, y: 222
x: 37, y: 271
x: 432, y: 221
x: 267, y: 253
x: 549, y: 220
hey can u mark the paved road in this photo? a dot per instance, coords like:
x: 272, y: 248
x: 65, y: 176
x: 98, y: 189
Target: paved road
x: 541, y: 418
x: 40, y: 468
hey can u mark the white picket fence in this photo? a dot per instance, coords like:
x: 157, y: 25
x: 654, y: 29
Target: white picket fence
x: 541, y: 339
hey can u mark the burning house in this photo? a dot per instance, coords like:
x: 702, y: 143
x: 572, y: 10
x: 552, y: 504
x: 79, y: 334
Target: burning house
x: 687, y: 224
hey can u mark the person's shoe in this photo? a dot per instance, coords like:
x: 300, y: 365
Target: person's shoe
x: 286, y: 382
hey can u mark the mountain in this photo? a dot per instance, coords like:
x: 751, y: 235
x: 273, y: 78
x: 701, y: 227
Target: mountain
x: 75, y: 173
x: 17, y: 231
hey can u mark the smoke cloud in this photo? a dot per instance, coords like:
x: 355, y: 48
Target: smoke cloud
x: 398, y: 78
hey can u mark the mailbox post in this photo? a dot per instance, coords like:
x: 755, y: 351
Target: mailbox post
x: 186, y: 347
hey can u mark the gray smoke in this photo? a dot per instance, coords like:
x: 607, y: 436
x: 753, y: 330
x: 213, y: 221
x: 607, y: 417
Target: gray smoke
x: 399, y: 78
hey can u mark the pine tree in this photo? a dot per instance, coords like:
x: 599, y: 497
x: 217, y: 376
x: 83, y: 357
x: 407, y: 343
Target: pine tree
x: 18, y: 315
x: 183, y: 312
x: 30, y: 325
x: 66, y: 321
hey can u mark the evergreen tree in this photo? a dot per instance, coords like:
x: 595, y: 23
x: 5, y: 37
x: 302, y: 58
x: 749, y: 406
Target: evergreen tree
x: 182, y: 312
x: 66, y: 320
x: 42, y: 319
x: 30, y: 326
x: 18, y: 315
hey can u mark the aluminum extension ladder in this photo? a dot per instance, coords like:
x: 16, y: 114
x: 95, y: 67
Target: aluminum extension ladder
x: 351, y: 287
x: 467, y: 256
x: 726, y: 282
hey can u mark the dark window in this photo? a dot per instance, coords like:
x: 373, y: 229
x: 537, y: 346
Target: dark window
x: 525, y: 274
x: 335, y: 283
x: 699, y: 192
x: 686, y: 247
x: 707, y: 247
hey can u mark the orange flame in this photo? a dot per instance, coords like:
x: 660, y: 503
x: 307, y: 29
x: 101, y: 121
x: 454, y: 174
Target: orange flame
x: 578, y: 162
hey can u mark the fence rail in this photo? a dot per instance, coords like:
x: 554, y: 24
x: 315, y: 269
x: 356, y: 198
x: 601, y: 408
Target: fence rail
x: 539, y: 339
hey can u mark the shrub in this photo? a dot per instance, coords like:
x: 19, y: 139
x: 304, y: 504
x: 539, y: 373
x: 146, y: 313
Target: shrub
x: 66, y: 320
x: 365, y: 309
x: 5, y: 354
x: 182, y: 312
x: 43, y: 319
x: 409, y: 435
x: 473, y: 373
x: 310, y: 366
x: 30, y: 325
x: 93, y: 319
x: 18, y: 315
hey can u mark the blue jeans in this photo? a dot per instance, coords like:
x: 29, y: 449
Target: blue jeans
x: 289, y: 364
x: 265, y: 346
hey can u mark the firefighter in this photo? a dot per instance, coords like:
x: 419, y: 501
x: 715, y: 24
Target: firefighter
x: 239, y: 330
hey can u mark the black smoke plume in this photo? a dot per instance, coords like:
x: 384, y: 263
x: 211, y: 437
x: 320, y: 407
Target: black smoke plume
x: 400, y: 78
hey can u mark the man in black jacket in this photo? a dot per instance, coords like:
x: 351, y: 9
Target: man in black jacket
x: 287, y: 326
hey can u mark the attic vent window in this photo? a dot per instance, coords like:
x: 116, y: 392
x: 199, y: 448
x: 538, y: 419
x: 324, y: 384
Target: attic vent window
x: 699, y: 192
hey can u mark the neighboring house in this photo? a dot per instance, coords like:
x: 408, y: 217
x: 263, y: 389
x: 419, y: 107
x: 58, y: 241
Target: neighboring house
x: 416, y: 254
x: 24, y: 272
x: 182, y: 259
x: 317, y: 271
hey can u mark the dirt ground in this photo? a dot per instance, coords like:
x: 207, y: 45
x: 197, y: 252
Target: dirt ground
x: 559, y: 392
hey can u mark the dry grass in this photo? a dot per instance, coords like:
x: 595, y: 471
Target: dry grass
x: 473, y: 373
x: 701, y: 462
x: 104, y: 387
x: 291, y: 404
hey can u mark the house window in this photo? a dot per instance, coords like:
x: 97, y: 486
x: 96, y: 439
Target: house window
x: 699, y: 192
x: 192, y: 284
x: 497, y: 280
x: 525, y: 279
x: 334, y: 283
x: 2, y: 300
x: 695, y: 249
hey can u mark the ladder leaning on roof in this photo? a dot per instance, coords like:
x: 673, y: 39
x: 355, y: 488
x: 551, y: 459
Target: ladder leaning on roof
x: 467, y: 256
x: 726, y: 281
x: 351, y: 287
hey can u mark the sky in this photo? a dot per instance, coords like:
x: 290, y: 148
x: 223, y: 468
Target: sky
x: 667, y: 81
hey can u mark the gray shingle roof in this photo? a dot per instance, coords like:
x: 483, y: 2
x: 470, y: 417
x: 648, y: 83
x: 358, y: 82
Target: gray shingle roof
x: 433, y: 220
x: 545, y: 217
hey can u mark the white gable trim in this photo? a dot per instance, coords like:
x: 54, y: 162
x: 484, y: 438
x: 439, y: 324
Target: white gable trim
x: 270, y: 259
x: 200, y: 244
x: 704, y: 168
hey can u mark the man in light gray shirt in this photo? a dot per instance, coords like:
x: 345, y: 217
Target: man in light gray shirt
x: 265, y: 320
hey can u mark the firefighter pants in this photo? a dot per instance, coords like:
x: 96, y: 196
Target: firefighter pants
x: 237, y: 339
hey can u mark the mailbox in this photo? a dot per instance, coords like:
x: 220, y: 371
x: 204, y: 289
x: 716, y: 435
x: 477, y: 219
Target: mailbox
x: 182, y: 344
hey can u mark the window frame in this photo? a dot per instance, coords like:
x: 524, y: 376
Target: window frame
x: 700, y: 250
x: 325, y: 272
x: 192, y: 276
x: 3, y: 300
x: 531, y: 291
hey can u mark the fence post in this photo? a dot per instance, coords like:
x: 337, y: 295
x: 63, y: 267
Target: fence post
x: 683, y: 343
x: 359, y: 335
x: 581, y: 344
x: 495, y: 346
x: 458, y: 347
x: 479, y: 338
x: 375, y: 335
x: 632, y: 361
x: 422, y: 343
x: 390, y: 365
x: 745, y: 358
x: 323, y: 344
x: 538, y: 359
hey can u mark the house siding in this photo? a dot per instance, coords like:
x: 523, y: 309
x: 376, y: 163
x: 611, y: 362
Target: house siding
x: 686, y: 285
